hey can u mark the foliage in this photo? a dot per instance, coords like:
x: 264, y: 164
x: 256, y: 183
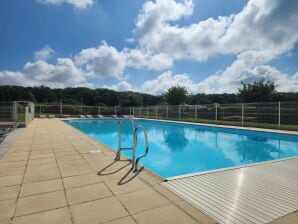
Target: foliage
x: 176, y: 95
x: 259, y: 91
x: 90, y: 97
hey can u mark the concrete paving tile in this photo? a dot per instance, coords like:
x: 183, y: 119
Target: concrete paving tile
x: 10, y: 180
x: 12, y: 164
x: 130, y: 186
x: 73, y: 171
x: 56, y: 216
x: 81, y: 180
x: 168, y: 194
x: 194, y: 212
x: 150, y: 178
x: 12, y: 171
x: 66, y: 153
x: 41, y: 187
x: 41, y: 161
x: 98, y: 211
x: 164, y: 215
x: 87, y: 193
x: 288, y: 219
x: 42, y: 155
x: 40, y: 202
x: 10, y: 192
x: 10, y: 158
x: 69, y: 158
x: 142, y: 200
x: 41, y: 175
x: 125, y: 220
x: 42, y: 167
x: 7, y: 208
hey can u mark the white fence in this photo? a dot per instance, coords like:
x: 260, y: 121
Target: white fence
x: 17, y: 111
x: 277, y: 115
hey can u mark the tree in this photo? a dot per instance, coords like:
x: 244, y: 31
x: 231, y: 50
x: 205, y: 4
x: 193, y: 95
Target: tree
x: 259, y: 91
x: 176, y: 95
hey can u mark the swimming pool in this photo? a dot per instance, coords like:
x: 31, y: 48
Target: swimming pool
x: 178, y: 148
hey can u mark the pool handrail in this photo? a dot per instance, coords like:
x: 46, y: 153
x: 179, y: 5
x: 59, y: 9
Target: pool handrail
x: 119, y: 137
x: 135, y: 160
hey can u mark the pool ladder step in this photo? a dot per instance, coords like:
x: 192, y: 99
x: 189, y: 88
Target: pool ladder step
x: 135, y: 129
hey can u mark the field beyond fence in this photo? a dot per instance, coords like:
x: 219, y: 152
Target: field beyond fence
x: 275, y: 115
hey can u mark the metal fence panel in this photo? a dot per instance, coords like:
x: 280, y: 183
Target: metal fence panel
x: 275, y: 115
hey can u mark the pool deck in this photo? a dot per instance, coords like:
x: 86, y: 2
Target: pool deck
x: 54, y: 173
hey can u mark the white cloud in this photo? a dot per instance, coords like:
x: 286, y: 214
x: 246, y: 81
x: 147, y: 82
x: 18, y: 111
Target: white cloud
x: 138, y: 59
x: 102, y: 61
x: 44, y: 54
x: 121, y: 86
x: 59, y: 75
x: 79, y: 4
x: 63, y: 72
x: 261, y: 25
x: 12, y: 78
x: 107, y: 61
x: 166, y: 80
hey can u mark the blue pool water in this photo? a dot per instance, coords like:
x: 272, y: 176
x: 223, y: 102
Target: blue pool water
x: 177, y: 149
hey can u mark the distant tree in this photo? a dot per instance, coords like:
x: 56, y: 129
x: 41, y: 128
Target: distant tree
x: 176, y: 95
x: 259, y: 91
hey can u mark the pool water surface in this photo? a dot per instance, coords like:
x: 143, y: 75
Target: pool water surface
x: 178, y: 149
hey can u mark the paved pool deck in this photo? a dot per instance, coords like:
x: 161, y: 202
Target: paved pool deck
x: 56, y: 174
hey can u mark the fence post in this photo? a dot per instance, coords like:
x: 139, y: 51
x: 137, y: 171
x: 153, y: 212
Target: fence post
x: 147, y: 110
x: 167, y: 111
x: 155, y: 112
x: 279, y: 115
x: 140, y: 111
x: 15, y: 111
x: 61, y: 110
x: 215, y: 112
x: 133, y: 110
x: 179, y: 112
x: 196, y: 112
x: 98, y: 110
x: 242, y: 114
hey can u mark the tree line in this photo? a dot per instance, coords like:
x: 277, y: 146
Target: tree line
x: 260, y: 91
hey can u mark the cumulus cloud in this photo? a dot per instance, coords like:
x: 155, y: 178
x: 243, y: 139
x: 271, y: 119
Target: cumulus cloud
x: 79, y: 4
x: 250, y: 66
x: 138, y: 59
x: 102, y: 61
x: 262, y: 24
x: 12, y: 78
x: 63, y: 73
x: 121, y: 86
x: 44, y: 54
x: 107, y: 61
x: 166, y: 80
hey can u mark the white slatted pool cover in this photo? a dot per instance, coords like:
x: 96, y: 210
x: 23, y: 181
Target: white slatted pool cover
x: 254, y: 194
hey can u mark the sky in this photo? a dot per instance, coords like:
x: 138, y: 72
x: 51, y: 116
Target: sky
x: 207, y: 46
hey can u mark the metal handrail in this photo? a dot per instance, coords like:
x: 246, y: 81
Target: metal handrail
x: 135, y: 160
x: 119, y: 136
x: 135, y: 165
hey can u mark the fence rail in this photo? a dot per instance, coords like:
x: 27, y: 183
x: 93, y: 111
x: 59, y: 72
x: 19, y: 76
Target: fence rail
x: 17, y: 111
x: 276, y: 115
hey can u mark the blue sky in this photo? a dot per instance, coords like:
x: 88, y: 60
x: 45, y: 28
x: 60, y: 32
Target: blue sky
x: 205, y: 45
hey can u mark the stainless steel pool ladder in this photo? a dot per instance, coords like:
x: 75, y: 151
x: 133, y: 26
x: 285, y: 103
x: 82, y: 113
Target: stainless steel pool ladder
x: 135, y: 130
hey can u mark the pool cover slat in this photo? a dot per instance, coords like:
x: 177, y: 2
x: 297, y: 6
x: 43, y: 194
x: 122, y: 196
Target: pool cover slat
x: 253, y: 194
